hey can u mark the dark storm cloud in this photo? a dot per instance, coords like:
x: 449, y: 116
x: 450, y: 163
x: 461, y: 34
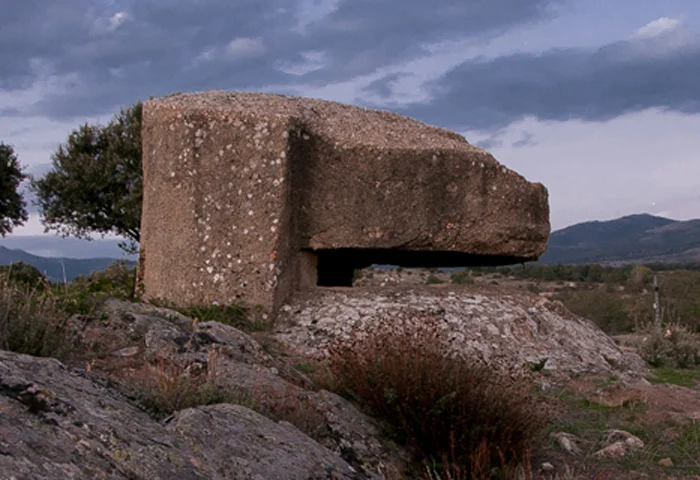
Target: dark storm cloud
x: 157, y: 47
x: 565, y: 84
x: 498, y: 139
x: 363, y: 35
x: 383, y: 87
x: 150, y: 50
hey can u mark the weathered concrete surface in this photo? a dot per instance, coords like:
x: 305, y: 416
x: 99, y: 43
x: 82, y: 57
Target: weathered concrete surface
x: 503, y: 328
x: 243, y: 190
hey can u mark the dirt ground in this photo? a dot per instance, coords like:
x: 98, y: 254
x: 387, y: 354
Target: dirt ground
x: 666, y: 417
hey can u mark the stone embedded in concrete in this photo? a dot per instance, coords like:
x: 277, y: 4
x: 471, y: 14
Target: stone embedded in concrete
x: 246, y: 195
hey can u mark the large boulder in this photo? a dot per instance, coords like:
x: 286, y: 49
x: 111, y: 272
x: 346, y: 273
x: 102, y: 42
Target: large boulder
x: 250, y: 197
x: 503, y: 328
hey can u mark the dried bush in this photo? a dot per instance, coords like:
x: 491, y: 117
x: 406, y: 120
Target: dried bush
x: 293, y: 406
x: 167, y: 386
x: 461, y: 417
x: 31, y: 320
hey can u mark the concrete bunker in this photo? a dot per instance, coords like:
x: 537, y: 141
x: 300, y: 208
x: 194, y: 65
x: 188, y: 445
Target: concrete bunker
x: 249, y: 198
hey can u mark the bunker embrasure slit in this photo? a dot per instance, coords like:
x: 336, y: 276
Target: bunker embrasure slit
x: 336, y: 267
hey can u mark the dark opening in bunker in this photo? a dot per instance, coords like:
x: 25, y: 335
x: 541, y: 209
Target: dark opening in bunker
x: 336, y: 267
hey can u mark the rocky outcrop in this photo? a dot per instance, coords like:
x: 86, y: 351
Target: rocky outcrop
x: 93, y: 421
x: 254, y: 446
x: 61, y: 423
x: 500, y: 327
x: 618, y: 444
x: 128, y: 337
x: 249, y: 197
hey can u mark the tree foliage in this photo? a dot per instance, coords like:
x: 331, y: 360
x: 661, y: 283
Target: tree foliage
x: 96, y: 182
x: 13, y: 211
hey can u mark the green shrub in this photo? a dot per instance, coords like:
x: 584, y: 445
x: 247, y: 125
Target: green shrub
x: 23, y: 275
x: 433, y: 280
x: 457, y: 415
x: 233, y: 315
x: 607, y: 309
x: 462, y: 278
x: 34, y: 313
x: 117, y: 280
x: 684, y: 378
x: 84, y: 294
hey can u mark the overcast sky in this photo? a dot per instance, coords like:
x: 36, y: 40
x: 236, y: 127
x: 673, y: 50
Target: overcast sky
x: 597, y: 99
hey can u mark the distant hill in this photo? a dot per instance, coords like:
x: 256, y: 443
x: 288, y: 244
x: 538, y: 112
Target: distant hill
x: 66, y: 247
x: 56, y: 269
x: 632, y: 239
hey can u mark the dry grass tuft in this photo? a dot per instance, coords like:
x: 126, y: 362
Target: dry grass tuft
x: 32, y: 320
x: 463, y: 419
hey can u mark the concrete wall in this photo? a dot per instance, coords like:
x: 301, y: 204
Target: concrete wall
x: 241, y: 191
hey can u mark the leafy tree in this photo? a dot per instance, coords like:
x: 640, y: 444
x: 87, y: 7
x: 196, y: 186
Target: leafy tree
x: 13, y: 210
x: 96, y: 182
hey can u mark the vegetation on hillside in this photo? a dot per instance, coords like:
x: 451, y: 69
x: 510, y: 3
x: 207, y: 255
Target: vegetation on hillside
x: 34, y: 311
x: 636, y: 238
x: 618, y: 299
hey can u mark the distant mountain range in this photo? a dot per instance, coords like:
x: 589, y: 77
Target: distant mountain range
x: 68, y: 247
x: 57, y: 269
x: 632, y: 239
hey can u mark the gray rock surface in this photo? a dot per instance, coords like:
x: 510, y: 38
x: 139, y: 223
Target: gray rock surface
x: 61, y: 422
x: 499, y: 327
x: 254, y: 447
x: 618, y: 444
x: 567, y: 442
x: 139, y: 334
x: 58, y: 423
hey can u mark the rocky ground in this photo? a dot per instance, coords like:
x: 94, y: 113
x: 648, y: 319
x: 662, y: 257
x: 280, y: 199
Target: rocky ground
x: 500, y: 327
x: 94, y: 421
x: 155, y: 394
